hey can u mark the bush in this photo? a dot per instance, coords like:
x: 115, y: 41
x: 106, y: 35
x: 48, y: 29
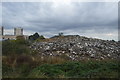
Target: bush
x: 34, y: 36
x: 6, y: 70
x: 10, y: 47
x: 47, y: 70
x: 78, y: 70
x: 35, y: 67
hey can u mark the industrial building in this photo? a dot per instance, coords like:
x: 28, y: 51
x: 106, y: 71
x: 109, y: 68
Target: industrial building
x: 17, y: 32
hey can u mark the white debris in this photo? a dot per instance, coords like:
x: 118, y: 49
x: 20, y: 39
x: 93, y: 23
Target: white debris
x: 78, y: 47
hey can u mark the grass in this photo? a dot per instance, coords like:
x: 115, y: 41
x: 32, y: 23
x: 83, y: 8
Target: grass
x: 18, y: 63
x: 68, y: 69
x: 78, y: 70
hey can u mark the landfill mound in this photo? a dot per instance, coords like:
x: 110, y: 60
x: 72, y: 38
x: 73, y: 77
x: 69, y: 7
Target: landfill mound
x: 75, y: 47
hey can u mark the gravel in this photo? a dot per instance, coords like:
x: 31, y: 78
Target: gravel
x: 77, y: 47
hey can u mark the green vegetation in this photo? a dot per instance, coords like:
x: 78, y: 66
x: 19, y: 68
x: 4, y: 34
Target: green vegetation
x: 35, y: 37
x: 19, y: 46
x: 60, y: 34
x: 18, y: 62
x: 94, y: 69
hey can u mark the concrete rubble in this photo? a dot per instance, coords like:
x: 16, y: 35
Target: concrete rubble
x: 77, y: 47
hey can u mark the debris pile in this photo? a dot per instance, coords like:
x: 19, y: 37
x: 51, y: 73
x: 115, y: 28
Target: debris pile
x: 75, y: 47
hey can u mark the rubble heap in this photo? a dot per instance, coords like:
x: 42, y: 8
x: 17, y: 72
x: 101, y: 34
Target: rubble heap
x: 77, y: 47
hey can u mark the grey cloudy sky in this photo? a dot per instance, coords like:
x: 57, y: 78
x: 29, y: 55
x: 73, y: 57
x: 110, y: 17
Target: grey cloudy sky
x: 91, y: 19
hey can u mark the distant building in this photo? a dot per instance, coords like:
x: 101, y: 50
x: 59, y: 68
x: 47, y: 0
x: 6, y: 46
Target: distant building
x: 10, y: 37
x: 17, y: 32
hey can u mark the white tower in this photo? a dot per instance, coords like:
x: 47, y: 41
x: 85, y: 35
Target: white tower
x: 18, y: 31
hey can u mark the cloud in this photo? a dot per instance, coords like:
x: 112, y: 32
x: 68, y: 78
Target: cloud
x: 49, y: 18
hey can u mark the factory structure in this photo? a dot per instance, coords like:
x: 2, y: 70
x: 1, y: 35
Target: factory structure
x: 17, y: 32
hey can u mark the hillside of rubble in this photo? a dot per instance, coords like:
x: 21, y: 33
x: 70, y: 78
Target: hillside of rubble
x: 75, y: 47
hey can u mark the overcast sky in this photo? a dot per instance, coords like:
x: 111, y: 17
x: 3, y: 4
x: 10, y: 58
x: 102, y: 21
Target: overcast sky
x: 90, y: 19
